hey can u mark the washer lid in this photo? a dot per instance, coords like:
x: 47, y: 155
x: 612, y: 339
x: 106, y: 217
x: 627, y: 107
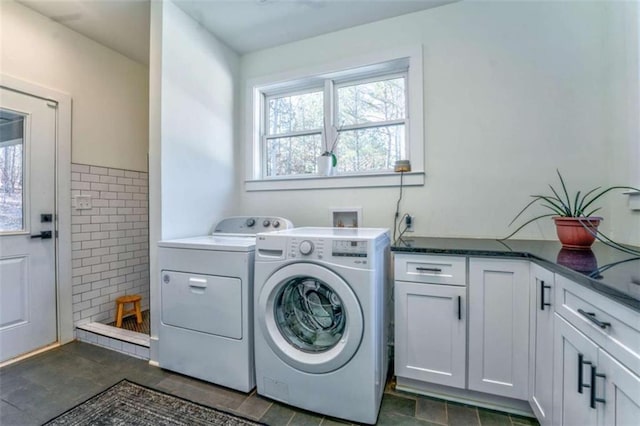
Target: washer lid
x: 212, y: 242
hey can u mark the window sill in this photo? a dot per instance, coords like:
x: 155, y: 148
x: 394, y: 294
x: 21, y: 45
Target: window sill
x: 335, y: 182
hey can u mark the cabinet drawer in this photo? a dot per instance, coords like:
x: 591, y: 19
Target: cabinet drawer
x: 612, y: 326
x: 431, y: 269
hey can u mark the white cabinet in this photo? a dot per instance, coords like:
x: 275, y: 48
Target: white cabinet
x: 431, y: 322
x: 574, y: 354
x: 430, y: 331
x: 596, y: 359
x: 512, y: 332
x: 616, y: 393
x: 541, y: 295
x: 499, y: 327
x: 590, y: 386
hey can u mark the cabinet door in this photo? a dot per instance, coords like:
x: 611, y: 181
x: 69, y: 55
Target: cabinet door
x: 541, y: 343
x: 430, y: 333
x: 499, y: 327
x: 617, y: 393
x: 574, y: 354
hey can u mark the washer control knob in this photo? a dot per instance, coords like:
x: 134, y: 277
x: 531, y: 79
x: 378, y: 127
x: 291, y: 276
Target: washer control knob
x: 266, y: 223
x: 250, y: 222
x: 306, y: 247
x: 276, y: 224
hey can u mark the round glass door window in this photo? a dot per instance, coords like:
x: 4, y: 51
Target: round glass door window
x: 309, y: 314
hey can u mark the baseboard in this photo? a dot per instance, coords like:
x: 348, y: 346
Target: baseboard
x: 464, y: 396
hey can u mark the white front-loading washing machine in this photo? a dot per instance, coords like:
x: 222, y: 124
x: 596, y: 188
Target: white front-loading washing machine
x: 321, y: 319
x: 206, y: 302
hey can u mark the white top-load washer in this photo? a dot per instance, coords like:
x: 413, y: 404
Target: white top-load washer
x: 321, y: 319
x: 206, y: 300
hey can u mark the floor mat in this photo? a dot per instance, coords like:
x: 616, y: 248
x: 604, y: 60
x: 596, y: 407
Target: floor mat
x: 130, y: 323
x: 127, y: 403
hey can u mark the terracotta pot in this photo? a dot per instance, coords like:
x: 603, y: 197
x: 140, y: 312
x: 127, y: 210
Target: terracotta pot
x: 577, y: 233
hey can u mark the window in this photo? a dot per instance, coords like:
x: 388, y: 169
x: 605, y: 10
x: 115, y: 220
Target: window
x: 371, y: 130
x: 360, y: 113
x: 293, y: 139
x: 12, y: 168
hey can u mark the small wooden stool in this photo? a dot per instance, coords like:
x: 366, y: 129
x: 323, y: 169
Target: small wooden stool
x: 122, y: 301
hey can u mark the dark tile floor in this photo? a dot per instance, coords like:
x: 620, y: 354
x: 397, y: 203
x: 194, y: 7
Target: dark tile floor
x: 39, y: 388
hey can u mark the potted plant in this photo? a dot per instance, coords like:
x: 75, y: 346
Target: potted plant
x: 576, y: 225
x: 328, y: 160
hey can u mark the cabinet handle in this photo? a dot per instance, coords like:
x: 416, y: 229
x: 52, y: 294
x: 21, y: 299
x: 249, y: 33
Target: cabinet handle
x: 420, y: 268
x: 581, y: 362
x: 459, y: 307
x: 592, y: 317
x: 542, y: 302
x: 594, y: 376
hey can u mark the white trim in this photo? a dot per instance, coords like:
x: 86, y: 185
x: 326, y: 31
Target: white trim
x: 415, y: 130
x: 332, y: 182
x: 634, y: 200
x: 63, y: 197
x: 156, y: 20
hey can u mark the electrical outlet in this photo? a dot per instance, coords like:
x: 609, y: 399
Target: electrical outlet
x: 82, y: 202
x: 409, y: 222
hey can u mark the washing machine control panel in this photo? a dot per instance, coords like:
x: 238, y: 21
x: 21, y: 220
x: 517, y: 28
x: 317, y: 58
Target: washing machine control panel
x: 251, y: 225
x: 343, y: 251
x: 347, y: 248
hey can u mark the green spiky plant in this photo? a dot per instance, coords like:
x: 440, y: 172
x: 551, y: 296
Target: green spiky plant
x: 561, y: 204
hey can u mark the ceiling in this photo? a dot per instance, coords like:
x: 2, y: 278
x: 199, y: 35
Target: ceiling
x: 243, y: 25
x: 121, y: 25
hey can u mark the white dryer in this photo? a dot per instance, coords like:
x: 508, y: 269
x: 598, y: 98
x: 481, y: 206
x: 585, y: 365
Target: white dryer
x: 321, y: 321
x: 206, y: 302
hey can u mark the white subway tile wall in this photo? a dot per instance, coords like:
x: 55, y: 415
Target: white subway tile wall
x: 110, y: 241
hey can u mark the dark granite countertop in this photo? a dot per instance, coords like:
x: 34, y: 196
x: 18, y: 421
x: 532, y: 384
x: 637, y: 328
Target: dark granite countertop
x: 606, y: 270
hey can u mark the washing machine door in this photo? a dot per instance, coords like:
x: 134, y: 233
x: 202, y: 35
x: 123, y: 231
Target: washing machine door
x: 310, y: 317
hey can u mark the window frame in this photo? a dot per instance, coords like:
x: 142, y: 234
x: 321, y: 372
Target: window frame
x: 405, y: 62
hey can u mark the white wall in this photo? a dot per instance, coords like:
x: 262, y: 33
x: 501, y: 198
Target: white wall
x: 109, y: 91
x: 623, y: 133
x: 198, y: 90
x: 192, y: 89
x: 513, y: 91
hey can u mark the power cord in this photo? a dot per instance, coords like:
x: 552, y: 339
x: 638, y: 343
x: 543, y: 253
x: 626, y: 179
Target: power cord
x: 397, y: 214
x: 406, y: 223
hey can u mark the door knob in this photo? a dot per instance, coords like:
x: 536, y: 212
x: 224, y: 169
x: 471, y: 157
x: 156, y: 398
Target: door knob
x: 45, y: 235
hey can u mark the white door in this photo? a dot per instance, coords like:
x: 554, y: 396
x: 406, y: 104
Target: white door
x: 431, y: 338
x: 27, y: 194
x: 541, y: 343
x: 574, y: 355
x: 616, y: 393
x: 499, y: 327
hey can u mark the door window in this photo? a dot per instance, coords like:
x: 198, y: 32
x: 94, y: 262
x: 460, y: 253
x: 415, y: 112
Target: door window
x: 11, y: 171
x: 309, y: 314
